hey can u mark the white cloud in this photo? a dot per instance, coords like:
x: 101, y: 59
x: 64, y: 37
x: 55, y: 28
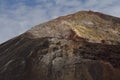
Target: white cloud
x: 22, y: 17
x: 68, y: 2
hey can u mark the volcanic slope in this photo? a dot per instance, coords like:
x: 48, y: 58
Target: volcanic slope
x: 80, y: 46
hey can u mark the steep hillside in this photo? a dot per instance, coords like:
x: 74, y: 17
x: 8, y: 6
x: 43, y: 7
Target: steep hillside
x: 93, y: 26
x: 80, y: 46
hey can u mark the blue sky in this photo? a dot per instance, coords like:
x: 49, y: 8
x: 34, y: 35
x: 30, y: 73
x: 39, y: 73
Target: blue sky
x: 17, y: 16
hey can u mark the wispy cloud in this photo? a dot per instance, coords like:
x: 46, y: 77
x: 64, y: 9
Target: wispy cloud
x: 17, y: 16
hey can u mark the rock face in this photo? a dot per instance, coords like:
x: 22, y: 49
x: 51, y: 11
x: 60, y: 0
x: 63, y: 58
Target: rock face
x: 80, y: 46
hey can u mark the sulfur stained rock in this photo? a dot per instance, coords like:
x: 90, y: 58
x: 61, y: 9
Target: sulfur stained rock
x: 58, y: 50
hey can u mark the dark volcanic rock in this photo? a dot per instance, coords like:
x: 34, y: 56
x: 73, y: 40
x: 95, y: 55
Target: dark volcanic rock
x: 62, y: 52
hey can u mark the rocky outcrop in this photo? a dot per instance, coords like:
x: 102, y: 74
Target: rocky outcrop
x: 74, y: 47
x: 93, y: 26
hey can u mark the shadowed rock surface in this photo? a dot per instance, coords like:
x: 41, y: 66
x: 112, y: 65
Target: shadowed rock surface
x: 80, y: 46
